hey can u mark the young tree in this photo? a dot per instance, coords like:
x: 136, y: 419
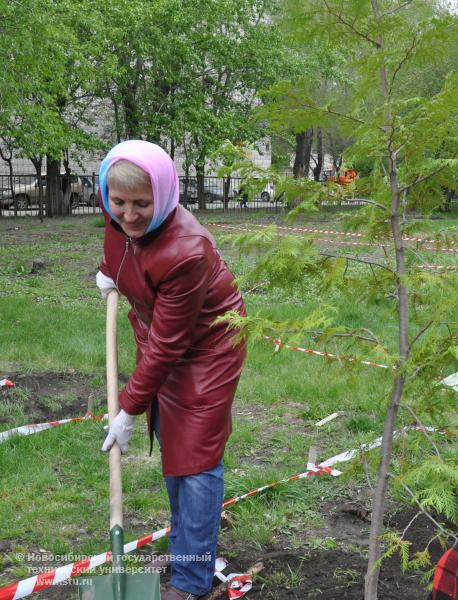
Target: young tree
x: 410, y: 138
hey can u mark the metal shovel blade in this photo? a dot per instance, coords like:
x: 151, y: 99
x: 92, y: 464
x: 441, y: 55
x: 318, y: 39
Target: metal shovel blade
x: 137, y: 586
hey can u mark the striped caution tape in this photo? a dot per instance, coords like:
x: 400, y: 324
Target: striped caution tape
x: 238, y: 584
x: 331, y: 241
x: 311, y: 470
x: 279, y: 344
x: 350, y: 454
x: 34, y: 584
x: 344, y: 233
x: 28, y: 586
x: 6, y: 383
x: 37, y: 427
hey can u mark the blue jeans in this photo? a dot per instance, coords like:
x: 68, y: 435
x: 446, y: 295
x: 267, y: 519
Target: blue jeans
x: 195, y: 504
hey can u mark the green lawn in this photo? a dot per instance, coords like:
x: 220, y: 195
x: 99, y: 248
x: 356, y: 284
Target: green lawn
x: 54, y: 490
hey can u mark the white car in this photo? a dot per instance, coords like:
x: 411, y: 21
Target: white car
x: 267, y: 194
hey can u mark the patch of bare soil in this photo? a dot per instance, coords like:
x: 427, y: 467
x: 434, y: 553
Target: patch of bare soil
x: 335, y: 574
x: 54, y: 396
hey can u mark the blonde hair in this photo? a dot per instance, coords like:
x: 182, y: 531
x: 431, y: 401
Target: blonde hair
x: 127, y: 176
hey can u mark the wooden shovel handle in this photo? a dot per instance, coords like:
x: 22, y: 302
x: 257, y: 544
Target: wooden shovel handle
x: 113, y: 409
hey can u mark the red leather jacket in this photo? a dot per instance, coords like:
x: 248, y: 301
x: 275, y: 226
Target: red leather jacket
x: 177, y: 284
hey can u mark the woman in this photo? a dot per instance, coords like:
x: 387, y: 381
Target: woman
x: 187, y: 369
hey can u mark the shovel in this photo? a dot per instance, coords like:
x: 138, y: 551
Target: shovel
x: 119, y: 585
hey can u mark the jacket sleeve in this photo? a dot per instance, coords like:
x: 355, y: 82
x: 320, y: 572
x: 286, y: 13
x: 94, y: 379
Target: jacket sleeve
x: 103, y: 267
x: 177, y: 307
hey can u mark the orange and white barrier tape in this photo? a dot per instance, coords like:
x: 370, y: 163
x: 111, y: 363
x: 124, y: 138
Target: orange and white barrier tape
x: 345, y: 233
x: 238, y: 584
x: 5, y: 382
x: 279, y: 344
x: 330, y: 241
x: 47, y: 579
x: 37, y: 427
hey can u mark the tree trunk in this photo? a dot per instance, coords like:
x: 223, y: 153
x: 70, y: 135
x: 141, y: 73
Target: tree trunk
x: 117, y: 119
x: 379, y: 502
x: 304, y: 142
x: 54, y: 194
x: 337, y: 163
x: 37, y: 162
x: 186, y: 186
x: 9, y: 162
x: 200, y: 173
x: 66, y: 184
x: 226, y: 190
x: 130, y: 103
x: 319, y: 155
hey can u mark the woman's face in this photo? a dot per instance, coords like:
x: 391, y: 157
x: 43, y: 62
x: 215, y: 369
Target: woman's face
x: 132, y: 210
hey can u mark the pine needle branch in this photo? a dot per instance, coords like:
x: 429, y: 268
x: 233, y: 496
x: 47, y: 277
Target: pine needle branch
x: 350, y: 26
x: 358, y: 259
x: 423, y: 430
x: 426, y: 513
x: 419, y: 180
x: 396, y: 9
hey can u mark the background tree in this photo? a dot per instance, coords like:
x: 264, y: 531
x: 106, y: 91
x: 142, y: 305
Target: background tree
x: 45, y: 108
x: 185, y: 73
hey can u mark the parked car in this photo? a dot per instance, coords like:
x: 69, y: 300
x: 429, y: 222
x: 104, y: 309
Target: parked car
x: 214, y: 190
x: 89, y: 193
x: 267, y: 194
x: 26, y: 191
x: 191, y: 195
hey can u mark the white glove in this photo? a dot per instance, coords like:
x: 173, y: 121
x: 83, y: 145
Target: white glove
x: 120, y: 431
x: 105, y: 284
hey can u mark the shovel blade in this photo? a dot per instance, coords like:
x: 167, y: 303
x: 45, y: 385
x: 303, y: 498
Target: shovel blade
x: 138, y: 586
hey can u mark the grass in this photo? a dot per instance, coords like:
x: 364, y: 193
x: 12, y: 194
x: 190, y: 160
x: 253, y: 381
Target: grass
x: 54, y: 485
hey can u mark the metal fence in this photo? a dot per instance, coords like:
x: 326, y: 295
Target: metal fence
x: 21, y: 196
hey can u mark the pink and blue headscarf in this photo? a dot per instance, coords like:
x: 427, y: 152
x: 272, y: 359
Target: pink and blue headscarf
x: 159, y: 166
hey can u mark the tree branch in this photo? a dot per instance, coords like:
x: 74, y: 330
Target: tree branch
x: 301, y: 106
x: 416, y: 515
x: 396, y: 9
x: 423, y: 429
x: 406, y: 188
x: 421, y: 332
x: 350, y: 26
x: 358, y: 259
x: 426, y: 513
x: 405, y: 58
